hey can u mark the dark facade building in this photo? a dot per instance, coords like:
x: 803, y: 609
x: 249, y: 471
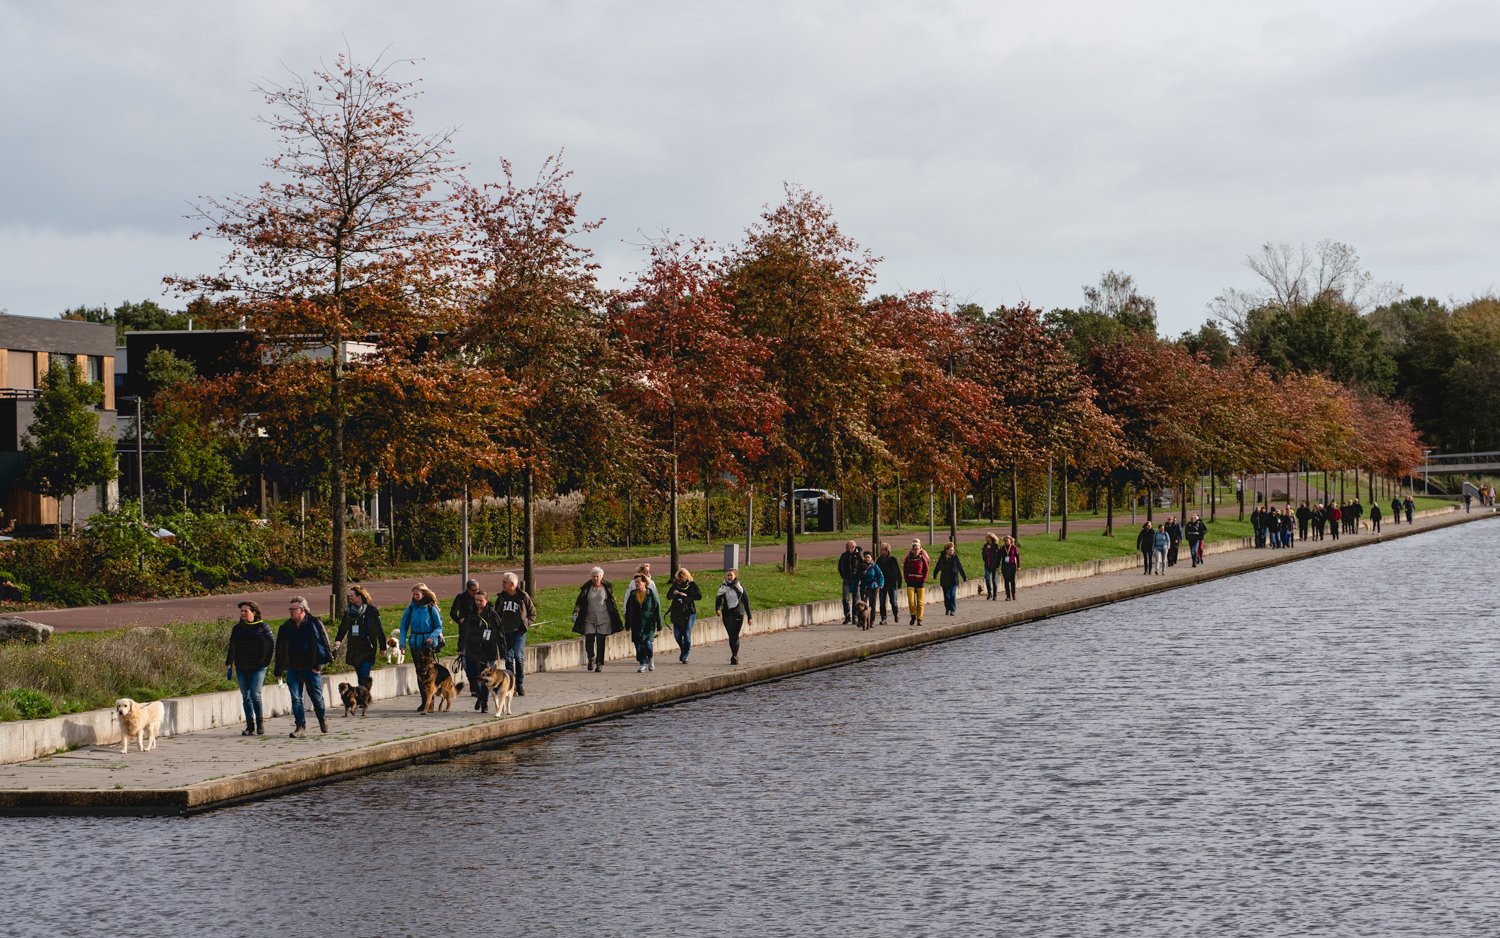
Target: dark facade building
x: 28, y: 347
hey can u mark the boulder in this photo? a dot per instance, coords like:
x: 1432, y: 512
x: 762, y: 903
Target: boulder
x: 18, y: 629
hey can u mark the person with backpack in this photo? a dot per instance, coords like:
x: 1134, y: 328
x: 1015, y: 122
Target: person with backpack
x: 252, y: 648
x: 989, y: 556
x: 302, y: 649
x: 361, y: 628
x: 890, y: 573
x: 517, y: 613
x: 950, y: 570
x: 421, y: 623
x: 732, y: 605
x: 682, y: 606
x: 1010, y: 562
x: 914, y: 572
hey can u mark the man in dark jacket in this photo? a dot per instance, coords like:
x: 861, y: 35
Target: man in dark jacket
x: 1410, y: 507
x: 890, y: 572
x: 517, y: 614
x: 1145, y: 543
x: 463, y: 607
x: 1375, y: 517
x: 1257, y: 524
x: 1304, y: 515
x: 849, y: 569
x: 302, y: 648
x: 1174, y: 537
x: 1396, y: 509
x: 1196, y: 533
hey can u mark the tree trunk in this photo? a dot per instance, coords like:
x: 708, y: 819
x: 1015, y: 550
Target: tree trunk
x: 708, y: 512
x: 1062, y: 534
x: 953, y: 517
x: 790, y: 564
x: 1109, y: 509
x: 1015, y: 498
x: 528, y: 534
x: 875, y: 523
x: 510, y: 521
x: 1213, y: 496
x: 672, y: 536
x: 336, y: 493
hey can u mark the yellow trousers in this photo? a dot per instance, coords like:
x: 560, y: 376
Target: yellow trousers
x: 916, y: 600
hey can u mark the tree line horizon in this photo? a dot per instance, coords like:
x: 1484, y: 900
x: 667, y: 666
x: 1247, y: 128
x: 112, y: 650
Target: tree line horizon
x: 500, y: 364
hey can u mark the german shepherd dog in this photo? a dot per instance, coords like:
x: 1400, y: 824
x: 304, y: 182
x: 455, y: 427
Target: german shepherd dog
x: 435, y: 680
x: 355, y: 697
x: 502, y: 685
x: 862, y: 617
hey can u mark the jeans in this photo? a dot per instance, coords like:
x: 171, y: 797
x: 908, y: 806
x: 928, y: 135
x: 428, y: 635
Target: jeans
x: 732, y: 625
x: 850, y: 589
x: 643, y: 651
x: 515, y: 656
x: 992, y: 583
x: 362, y: 672
x: 916, y: 601
x: 296, y: 679
x: 950, y: 598
x: 684, y: 635
x: 472, y: 669
x: 1008, y: 571
x: 593, y: 645
x: 888, y: 591
x: 1408, y: 516
x: 1193, y: 552
x: 250, y: 692
x: 1161, y: 561
x: 1149, y: 556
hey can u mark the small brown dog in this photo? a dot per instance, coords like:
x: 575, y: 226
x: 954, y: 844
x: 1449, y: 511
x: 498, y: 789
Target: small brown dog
x: 862, y: 617
x: 435, y: 680
x: 502, y: 685
x: 355, y: 697
x: 394, y: 653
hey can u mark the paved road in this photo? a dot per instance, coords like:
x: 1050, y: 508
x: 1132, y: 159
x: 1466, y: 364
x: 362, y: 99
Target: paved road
x: 396, y: 592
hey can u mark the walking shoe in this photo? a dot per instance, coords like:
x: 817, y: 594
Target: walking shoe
x: 479, y: 704
x: 734, y: 659
x: 260, y: 726
x: 641, y: 670
x: 591, y: 664
x: 682, y: 659
x: 846, y: 620
x: 322, y: 725
x: 651, y: 665
x: 249, y: 729
x: 520, y: 691
x: 298, y: 731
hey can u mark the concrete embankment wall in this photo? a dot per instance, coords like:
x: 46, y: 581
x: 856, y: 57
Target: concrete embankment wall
x: 23, y: 740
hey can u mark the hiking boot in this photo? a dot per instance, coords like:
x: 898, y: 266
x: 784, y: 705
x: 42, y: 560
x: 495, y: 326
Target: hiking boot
x: 298, y: 731
x: 520, y: 691
x: 479, y: 705
x: 483, y: 707
x: 322, y: 725
x: 591, y: 664
x: 260, y: 726
x: 249, y: 728
x: 734, y: 659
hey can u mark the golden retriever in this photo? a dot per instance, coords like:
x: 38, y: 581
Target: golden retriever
x: 143, y: 721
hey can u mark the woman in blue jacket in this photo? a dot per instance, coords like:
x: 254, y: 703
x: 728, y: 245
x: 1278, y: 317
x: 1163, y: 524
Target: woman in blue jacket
x: 421, y: 623
x: 1160, y: 542
x: 871, y: 582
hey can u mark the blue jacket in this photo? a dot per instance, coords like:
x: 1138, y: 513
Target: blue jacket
x: 419, y: 623
x: 1162, y: 541
x: 872, y: 578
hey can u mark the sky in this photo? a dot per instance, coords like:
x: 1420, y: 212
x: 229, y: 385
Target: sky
x: 1001, y: 152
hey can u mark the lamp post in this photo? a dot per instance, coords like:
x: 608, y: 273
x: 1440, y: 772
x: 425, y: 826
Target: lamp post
x: 140, y: 476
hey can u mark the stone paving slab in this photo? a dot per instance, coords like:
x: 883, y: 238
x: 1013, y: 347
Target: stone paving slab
x: 202, y: 757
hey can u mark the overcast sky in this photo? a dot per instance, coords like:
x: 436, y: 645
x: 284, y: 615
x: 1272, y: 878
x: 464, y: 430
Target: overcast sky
x: 1001, y: 151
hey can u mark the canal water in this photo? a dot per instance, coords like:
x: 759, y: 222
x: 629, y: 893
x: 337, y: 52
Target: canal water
x: 1308, y: 750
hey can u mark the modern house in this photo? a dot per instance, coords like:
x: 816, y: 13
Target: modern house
x: 28, y: 347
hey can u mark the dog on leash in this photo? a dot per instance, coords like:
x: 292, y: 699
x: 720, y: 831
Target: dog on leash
x: 355, y: 697
x: 435, y: 680
x: 394, y: 653
x: 143, y: 721
x: 862, y: 617
x: 502, y: 685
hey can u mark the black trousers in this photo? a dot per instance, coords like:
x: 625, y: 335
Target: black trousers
x: 732, y: 625
x: 1008, y: 574
x: 593, y: 645
x: 1172, y: 554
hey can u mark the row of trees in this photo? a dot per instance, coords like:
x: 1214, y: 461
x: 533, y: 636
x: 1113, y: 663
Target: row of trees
x: 423, y: 331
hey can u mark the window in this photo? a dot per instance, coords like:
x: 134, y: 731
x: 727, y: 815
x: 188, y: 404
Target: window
x: 96, y: 371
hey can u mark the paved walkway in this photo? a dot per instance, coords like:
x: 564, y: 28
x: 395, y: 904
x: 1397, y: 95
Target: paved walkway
x: 214, y: 754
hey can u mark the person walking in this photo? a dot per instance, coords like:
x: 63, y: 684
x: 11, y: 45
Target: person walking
x: 682, y: 606
x: 1159, y: 544
x: 914, y: 573
x: 849, y: 574
x: 483, y: 647
x: 1145, y: 542
x: 517, y: 613
x: 421, y: 623
x: 361, y: 628
x: 1468, y: 500
x: 302, y: 649
x: 1375, y: 517
x: 890, y: 573
x: 1196, y: 534
x: 1304, y: 515
x: 989, y: 555
x: 643, y: 618
x: 871, y: 582
x: 596, y: 617
x: 1010, y: 562
x: 1174, y: 539
x: 950, y: 570
x: 252, y: 648
x: 732, y: 605
x: 462, y: 608
x: 1335, y: 520
x: 1257, y: 524
x: 1410, y: 507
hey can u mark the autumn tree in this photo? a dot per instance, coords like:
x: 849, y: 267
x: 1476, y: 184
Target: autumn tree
x: 348, y: 245
x: 687, y: 374
x: 798, y: 286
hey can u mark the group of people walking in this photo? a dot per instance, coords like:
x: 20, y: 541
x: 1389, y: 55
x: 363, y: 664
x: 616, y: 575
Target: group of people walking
x: 596, y: 614
x: 1161, y: 544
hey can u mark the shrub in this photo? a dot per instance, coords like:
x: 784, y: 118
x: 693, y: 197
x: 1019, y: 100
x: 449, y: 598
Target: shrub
x: 30, y: 704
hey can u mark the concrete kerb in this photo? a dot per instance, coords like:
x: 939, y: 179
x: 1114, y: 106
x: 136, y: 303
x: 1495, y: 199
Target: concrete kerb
x: 23, y: 740
x: 386, y: 756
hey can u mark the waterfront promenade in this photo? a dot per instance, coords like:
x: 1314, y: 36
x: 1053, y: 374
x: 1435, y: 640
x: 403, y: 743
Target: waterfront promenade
x: 201, y: 770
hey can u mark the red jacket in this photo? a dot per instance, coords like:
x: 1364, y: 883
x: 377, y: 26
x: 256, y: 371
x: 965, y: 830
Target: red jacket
x: 915, y: 568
